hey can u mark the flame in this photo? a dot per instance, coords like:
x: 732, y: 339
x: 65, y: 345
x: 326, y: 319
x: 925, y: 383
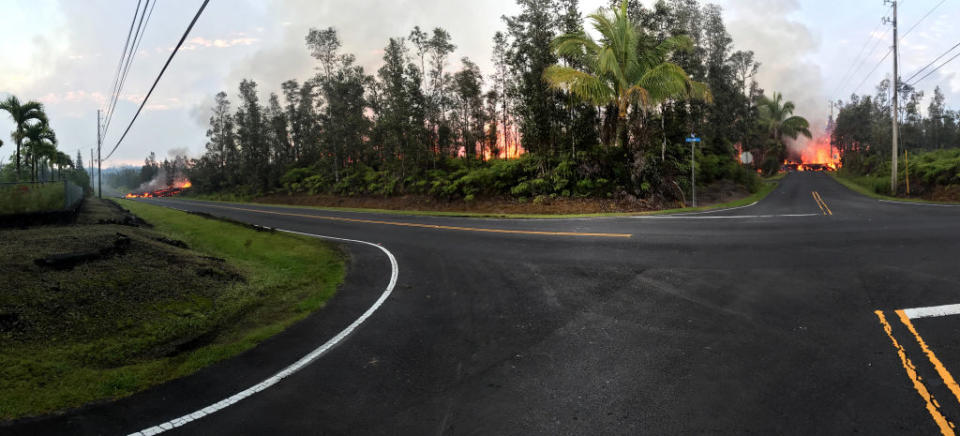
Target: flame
x: 508, y: 144
x: 170, y: 191
x: 817, y: 155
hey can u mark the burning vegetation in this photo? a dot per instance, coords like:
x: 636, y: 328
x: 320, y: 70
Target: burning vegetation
x: 817, y: 155
x: 170, y: 191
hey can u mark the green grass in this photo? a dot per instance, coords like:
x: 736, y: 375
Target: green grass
x: 870, y: 185
x: 31, y: 198
x: 761, y: 193
x: 112, y: 327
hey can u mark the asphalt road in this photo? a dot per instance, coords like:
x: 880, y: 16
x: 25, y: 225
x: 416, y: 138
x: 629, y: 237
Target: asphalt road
x: 760, y: 319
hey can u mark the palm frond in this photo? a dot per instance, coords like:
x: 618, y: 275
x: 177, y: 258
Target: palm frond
x: 584, y: 85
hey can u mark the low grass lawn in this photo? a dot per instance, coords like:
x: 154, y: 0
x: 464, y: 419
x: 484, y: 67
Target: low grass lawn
x: 31, y: 198
x: 149, y: 311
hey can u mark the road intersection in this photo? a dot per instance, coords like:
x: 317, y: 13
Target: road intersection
x: 789, y: 316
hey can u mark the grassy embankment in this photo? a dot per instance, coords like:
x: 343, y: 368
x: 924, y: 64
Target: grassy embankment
x: 934, y: 177
x: 765, y: 188
x: 144, y: 309
x: 30, y: 198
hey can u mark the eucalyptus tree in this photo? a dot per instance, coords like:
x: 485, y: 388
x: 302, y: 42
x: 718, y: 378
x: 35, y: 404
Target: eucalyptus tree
x: 24, y: 115
x: 627, y: 67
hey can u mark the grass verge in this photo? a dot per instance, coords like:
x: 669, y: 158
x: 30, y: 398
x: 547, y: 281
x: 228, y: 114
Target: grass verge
x: 765, y: 189
x: 148, y: 309
x: 868, y: 185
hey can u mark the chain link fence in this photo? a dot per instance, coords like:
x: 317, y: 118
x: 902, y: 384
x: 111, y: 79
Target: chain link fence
x: 38, y: 197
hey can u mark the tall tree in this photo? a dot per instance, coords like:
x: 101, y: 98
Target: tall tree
x: 324, y: 45
x: 42, y: 143
x: 251, y: 136
x: 625, y: 68
x: 778, y: 118
x: 23, y: 115
x: 531, y: 33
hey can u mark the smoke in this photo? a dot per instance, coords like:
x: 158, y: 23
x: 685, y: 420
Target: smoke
x: 787, y: 49
x: 170, y: 173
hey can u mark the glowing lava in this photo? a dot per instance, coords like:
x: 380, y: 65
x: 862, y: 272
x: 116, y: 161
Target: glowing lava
x: 176, y: 189
x: 817, y: 155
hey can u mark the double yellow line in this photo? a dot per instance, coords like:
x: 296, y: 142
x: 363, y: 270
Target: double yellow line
x: 947, y: 428
x: 823, y: 204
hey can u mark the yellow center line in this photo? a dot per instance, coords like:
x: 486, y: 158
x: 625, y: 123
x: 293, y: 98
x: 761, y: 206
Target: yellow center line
x: 829, y: 212
x: 942, y: 370
x: 946, y: 427
x: 430, y: 226
x: 823, y: 204
x: 816, y: 200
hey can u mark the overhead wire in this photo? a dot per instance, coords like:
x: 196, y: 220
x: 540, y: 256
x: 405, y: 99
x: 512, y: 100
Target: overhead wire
x: 159, y: 76
x: 138, y: 38
x: 123, y: 55
x: 849, y: 74
x: 935, y: 69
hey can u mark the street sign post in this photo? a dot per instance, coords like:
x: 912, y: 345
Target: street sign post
x: 693, y: 140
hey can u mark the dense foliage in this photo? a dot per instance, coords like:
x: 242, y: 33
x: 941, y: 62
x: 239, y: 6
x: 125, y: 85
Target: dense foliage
x: 863, y: 138
x: 526, y: 130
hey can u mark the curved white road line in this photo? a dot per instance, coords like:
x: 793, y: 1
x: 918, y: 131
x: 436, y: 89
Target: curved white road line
x: 296, y: 366
x: 717, y: 210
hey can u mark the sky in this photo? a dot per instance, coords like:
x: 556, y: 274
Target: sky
x: 64, y: 53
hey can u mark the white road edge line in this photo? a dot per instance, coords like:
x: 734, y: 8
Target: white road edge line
x: 296, y: 366
x: 911, y: 203
x: 716, y: 210
x: 931, y: 312
x: 730, y: 217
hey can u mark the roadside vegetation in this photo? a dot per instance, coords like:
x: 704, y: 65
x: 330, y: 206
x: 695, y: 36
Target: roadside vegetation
x: 23, y: 199
x: 35, y: 156
x: 562, y: 118
x: 930, y: 145
x: 111, y: 306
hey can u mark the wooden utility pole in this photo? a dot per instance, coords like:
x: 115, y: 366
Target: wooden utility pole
x: 99, y: 163
x: 896, y: 97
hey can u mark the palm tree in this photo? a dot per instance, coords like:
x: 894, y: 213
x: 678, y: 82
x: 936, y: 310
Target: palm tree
x: 60, y: 160
x: 625, y: 67
x: 22, y: 114
x: 42, y: 143
x: 777, y: 117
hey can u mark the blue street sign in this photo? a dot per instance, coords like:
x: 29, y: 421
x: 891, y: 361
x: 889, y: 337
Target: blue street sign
x: 693, y: 139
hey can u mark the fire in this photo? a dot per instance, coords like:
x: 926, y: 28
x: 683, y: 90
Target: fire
x: 176, y: 189
x: 817, y: 155
x: 507, y: 147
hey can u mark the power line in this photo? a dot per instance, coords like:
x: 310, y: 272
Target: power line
x: 123, y: 55
x: 165, y: 65
x: 933, y: 62
x: 137, y: 39
x: 921, y: 19
x: 867, y: 77
x: 935, y: 69
x: 849, y: 74
x: 872, y: 71
x: 863, y: 62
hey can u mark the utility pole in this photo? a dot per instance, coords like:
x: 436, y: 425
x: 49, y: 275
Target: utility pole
x: 99, y: 163
x: 896, y: 96
x: 693, y: 140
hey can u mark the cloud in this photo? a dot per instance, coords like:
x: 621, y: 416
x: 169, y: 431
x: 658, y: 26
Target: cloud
x: 200, y: 42
x: 788, y: 50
